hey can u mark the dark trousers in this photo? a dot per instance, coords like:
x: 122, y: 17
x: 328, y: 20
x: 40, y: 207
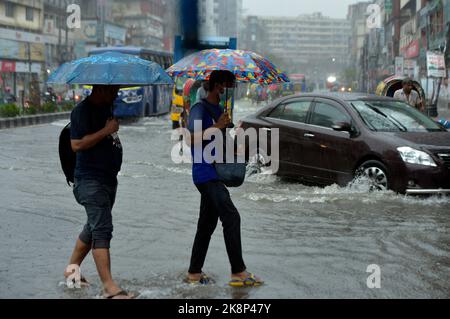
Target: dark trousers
x: 216, y: 204
x: 98, y: 200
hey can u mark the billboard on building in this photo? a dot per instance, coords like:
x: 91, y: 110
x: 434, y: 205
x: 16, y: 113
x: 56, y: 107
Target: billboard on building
x: 10, y: 49
x: 113, y: 34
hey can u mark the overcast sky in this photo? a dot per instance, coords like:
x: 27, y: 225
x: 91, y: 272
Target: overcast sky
x: 331, y: 8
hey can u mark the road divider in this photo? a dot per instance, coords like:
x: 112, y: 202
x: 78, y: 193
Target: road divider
x: 13, y: 122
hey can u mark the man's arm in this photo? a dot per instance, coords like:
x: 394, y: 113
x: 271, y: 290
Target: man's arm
x: 223, y: 122
x: 420, y: 105
x: 89, y: 141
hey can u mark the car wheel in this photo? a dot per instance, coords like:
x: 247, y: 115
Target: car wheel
x: 376, y: 173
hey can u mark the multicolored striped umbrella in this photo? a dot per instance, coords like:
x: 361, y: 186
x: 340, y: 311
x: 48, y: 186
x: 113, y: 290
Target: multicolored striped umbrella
x: 247, y: 66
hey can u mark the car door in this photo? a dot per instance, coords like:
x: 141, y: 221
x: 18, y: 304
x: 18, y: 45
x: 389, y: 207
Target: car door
x: 290, y: 118
x: 327, y: 153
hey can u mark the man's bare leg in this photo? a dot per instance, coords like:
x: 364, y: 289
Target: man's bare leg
x: 103, y: 262
x: 80, y: 252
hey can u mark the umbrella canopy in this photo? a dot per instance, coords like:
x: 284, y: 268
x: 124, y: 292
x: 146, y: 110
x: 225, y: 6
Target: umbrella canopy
x: 110, y: 68
x: 247, y: 66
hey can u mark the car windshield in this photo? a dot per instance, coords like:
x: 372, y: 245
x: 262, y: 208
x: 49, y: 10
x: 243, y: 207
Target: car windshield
x: 394, y: 116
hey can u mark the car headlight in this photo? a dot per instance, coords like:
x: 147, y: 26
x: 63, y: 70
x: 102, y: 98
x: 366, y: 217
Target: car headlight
x: 413, y: 156
x: 133, y: 99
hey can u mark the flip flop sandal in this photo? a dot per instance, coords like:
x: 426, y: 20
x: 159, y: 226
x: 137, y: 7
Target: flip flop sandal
x: 119, y: 294
x: 250, y: 281
x: 204, y: 280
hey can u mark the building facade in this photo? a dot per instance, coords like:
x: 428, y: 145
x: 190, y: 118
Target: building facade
x: 59, y: 39
x: 357, y: 17
x: 22, y: 47
x: 98, y: 27
x: 253, y: 35
x: 310, y: 44
x: 147, y: 22
x: 409, y: 28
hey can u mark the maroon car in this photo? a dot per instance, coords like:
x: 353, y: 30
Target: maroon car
x: 333, y: 138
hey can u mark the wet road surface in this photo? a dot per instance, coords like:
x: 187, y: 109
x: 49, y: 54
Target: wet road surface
x: 305, y: 242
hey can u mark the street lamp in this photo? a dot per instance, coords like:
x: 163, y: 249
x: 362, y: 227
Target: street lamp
x: 332, y: 79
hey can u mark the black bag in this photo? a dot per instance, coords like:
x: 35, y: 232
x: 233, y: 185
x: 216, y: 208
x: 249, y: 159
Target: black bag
x: 67, y: 156
x: 231, y: 174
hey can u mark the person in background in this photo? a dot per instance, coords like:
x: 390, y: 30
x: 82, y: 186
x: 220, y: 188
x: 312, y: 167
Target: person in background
x: 410, y: 96
x: 9, y: 97
x: 202, y: 92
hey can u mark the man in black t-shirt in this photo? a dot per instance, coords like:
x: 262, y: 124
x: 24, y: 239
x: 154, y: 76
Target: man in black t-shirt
x: 99, y: 158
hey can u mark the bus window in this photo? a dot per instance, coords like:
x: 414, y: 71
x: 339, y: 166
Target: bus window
x: 141, y: 101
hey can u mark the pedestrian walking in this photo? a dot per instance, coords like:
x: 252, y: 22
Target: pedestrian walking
x: 98, y: 148
x: 216, y: 202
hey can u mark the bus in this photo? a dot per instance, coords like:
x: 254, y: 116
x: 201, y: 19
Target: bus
x: 145, y: 101
x: 178, y: 101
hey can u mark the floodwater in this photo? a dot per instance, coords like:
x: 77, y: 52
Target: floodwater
x: 305, y: 242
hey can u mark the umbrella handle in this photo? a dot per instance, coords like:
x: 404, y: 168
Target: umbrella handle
x: 229, y: 109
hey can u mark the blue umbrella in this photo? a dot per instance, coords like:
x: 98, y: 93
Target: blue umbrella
x: 110, y: 68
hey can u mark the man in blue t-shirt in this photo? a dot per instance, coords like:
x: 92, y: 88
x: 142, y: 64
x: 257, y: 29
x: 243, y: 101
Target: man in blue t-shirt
x: 216, y: 202
x: 99, y: 158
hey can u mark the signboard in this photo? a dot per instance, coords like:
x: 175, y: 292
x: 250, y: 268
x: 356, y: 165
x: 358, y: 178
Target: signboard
x: 10, y: 34
x: 409, y: 68
x: 8, y: 66
x: 399, y: 65
x: 436, y: 65
x: 115, y: 33
x: 37, y: 52
x: 412, y: 50
x: 89, y: 32
x: 388, y: 6
x: 19, y: 67
x: 22, y: 67
x: 10, y: 49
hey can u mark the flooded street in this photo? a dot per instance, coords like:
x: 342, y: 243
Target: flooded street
x: 305, y: 242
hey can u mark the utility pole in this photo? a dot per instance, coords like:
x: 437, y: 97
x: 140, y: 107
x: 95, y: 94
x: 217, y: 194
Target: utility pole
x: 101, y: 23
x: 66, y: 28
x: 59, y: 26
x: 28, y: 87
x: 428, y: 79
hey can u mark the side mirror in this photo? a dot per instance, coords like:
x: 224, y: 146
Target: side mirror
x: 342, y: 127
